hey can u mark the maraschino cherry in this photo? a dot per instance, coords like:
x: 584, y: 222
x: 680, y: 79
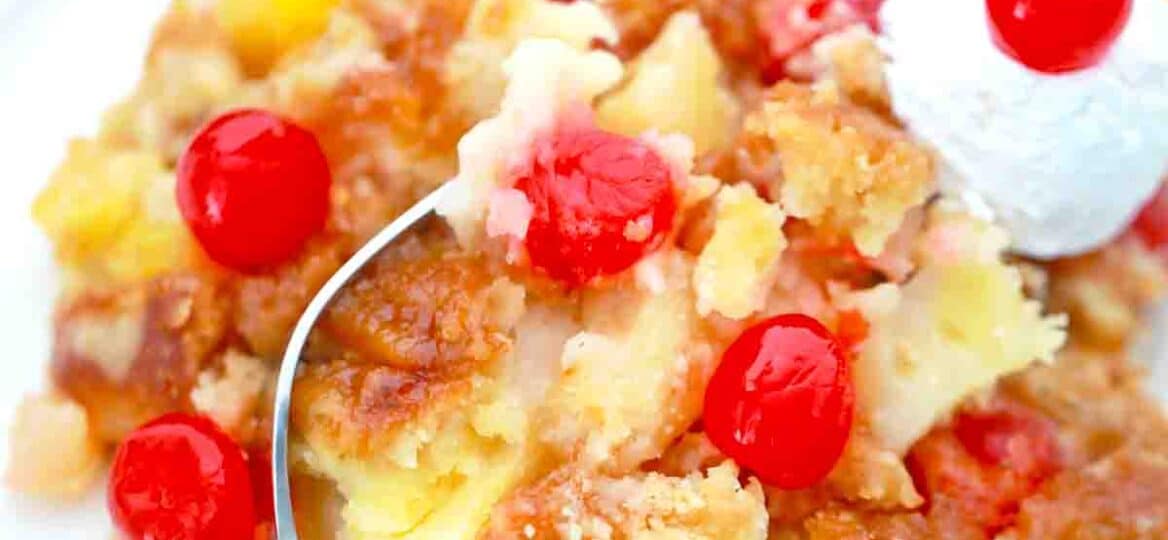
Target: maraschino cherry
x: 780, y: 402
x: 600, y: 201
x: 983, y: 465
x: 253, y: 187
x: 1057, y: 36
x: 180, y: 477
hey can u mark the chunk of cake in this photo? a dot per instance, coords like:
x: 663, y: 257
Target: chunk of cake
x: 688, y: 280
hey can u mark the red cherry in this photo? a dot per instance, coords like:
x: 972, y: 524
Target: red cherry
x: 1151, y: 225
x: 180, y: 477
x: 259, y: 465
x: 790, y: 26
x: 978, y: 469
x: 600, y: 202
x: 780, y: 402
x: 1013, y: 439
x: 1056, y: 36
x: 253, y: 187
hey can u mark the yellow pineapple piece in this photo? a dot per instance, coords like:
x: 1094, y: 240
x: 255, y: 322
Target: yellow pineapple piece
x: 736, y: 267
x: 92, y: 198
x: 156, y: 241
x: 113, y: 215
x: 675, y: 88
x: 955, y: 327
x: 633, y: 378
x: 263, y: 30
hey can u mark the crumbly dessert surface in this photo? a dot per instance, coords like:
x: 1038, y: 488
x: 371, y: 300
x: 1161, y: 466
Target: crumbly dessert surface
x: 454, y: 391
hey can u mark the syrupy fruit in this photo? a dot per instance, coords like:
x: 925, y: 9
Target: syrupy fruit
x: 1057, y: 36
x: 253, y: 187
x: 179, y: 477
x: 780, y: 402
x: 791, y: 26
x: 978, y: 469
x: 1023, y: 443
x: 600, y: 202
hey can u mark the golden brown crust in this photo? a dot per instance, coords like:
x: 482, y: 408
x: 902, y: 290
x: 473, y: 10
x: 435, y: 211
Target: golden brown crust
x: 435, y: 389
x: 845, y: 169
x: 1097, y: 399
x: 1121, y: 496
x: 132, y: 353
x: 405, y: 339
x: 267, y: 305
x: 1106, y: 292
x: 570, y: 503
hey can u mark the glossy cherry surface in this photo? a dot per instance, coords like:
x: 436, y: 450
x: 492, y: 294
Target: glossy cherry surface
x: 1056, y: 36
x: 600, y: 202
x: 253, y: 187
x: 180, y: 477
x: 780, y: 402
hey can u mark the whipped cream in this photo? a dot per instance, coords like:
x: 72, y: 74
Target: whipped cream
x: 1065, y: 161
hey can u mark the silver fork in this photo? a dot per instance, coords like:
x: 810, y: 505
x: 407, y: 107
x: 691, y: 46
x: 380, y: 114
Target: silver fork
x: 282, y: 491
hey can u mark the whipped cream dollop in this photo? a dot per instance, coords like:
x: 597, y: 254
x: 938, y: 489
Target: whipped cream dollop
x: 1064, y: 161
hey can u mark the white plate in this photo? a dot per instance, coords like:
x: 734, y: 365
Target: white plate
x: 62, y: 63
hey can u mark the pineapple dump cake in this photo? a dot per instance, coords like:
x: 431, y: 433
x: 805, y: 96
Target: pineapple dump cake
x: 693, y: 280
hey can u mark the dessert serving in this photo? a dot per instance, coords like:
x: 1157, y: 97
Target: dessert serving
x: 694, y: 275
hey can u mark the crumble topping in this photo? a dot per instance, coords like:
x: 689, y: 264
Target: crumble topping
x: 844, y: 169
x: 446, y: 395
x: 52, y: 452
x: 232, y: 396
x: 740, y: 262
x: 571, y: 505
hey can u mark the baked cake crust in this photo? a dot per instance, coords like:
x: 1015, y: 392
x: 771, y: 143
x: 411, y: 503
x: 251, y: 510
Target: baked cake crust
x: 454, y: 390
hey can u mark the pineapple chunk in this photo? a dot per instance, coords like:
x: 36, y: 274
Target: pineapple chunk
x: 683, y: 62
x: 92, y: 198
x: 474, y: 69
x: 737, y: 266
x: 158, y: 239
x: 112, y: 214
x: 263, y: 30
x: 52, y: 452
x: 955, y: 327
x: 632, y: 380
